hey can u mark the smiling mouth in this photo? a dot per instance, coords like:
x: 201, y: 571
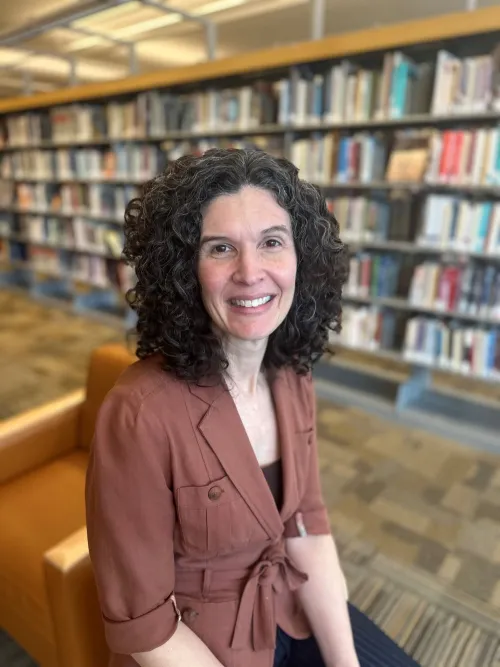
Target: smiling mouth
x: 253, y: 303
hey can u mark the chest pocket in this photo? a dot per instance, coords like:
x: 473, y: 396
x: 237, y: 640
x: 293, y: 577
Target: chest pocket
x: 214, y: 519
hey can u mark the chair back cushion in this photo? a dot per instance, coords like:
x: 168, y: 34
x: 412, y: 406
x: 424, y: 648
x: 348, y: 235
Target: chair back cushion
x: 106, y: 365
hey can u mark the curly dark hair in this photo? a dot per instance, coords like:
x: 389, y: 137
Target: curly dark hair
x: 162, y: 238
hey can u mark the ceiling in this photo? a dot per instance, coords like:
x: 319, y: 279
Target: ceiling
x: 164, y: 39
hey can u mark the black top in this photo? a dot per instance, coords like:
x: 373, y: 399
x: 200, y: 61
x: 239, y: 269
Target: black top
x: 274, y: 478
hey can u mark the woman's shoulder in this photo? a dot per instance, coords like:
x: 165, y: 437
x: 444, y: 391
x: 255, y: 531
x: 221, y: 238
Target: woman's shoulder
x: 298, y: 382
x: 144, y: 383
x: 302, y: 393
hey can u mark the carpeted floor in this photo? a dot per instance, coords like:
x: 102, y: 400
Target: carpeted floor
x: 417, y: 518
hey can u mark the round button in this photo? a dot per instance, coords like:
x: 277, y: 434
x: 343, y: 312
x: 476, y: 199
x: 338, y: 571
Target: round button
x: 189, y: 615
x: 215, y: 493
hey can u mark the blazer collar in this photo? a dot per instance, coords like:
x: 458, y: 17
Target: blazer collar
x: 223, y: 430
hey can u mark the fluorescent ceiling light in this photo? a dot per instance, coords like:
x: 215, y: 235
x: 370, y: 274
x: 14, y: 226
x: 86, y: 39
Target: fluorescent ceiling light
x: 146, y: 26
x: 108, y: 14
x: 217, y: 6
x: 86, y: 43
x: 169, y: 19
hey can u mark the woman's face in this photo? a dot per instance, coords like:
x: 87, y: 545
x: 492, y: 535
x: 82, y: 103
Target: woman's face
x: 247, y: 263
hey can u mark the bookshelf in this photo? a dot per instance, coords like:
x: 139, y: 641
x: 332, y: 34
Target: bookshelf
x: 399, y: 126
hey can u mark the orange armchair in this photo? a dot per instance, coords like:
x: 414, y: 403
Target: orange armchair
x: 48, y: 601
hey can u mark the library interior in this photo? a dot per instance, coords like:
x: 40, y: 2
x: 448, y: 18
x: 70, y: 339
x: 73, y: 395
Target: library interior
x: 391, y: 109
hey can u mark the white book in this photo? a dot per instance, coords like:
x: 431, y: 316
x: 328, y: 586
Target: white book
x: 444, y: 358
x: 284, y: 102
x: 493, y: 240
x: 300, y: 111
x: 456, y: 349
x: 479, y: 157
x: 467, y: 342
x: 492, y: 176
x: 440, y: 103
x: 245, y: 119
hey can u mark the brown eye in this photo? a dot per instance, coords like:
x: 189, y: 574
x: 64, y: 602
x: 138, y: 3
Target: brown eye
x: 273, y: 243
x: 220, y: 249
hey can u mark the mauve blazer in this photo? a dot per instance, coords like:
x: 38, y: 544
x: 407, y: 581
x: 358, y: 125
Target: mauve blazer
x: 182, y: 524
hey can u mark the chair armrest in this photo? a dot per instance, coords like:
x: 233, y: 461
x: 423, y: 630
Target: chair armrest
x: 74, y: 605
x: 39, y: 435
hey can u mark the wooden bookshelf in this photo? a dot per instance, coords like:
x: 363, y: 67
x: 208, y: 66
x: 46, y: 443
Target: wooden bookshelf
x: 48, y: 205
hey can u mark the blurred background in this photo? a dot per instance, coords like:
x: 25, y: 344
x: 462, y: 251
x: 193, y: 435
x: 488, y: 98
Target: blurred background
x: 392, y: 109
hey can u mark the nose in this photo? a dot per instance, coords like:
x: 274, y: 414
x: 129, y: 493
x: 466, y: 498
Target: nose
x: 249, y: 269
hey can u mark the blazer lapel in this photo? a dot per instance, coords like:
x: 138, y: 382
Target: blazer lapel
x: 284, y: 405
x: 223, y: 430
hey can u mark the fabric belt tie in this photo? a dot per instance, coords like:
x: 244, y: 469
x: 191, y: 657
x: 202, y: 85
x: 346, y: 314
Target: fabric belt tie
x: 270, y: 575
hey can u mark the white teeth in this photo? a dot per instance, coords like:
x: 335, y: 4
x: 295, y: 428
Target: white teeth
x: 251, y: 304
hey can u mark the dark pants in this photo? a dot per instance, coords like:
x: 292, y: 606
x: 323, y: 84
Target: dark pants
x: 374, y: 648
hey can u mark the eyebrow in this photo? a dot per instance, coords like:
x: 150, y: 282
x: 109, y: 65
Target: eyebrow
x: 270, y: 230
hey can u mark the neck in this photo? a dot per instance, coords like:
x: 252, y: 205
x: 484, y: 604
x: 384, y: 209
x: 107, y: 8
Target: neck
x: 245, y: 362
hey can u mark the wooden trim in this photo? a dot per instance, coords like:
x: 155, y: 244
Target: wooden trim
x: 460, y: 24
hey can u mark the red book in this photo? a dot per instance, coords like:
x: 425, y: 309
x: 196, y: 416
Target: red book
x: 454, y: 286
x: 456, y: 156
x: 445, y: 153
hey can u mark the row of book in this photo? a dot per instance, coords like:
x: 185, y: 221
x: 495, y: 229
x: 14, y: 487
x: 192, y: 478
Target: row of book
x: 456, y: 157
x: 77, y: 234
x: 444, y: 222
x: 376, y: 217
x: 150, y: 114
x: 341, y: 92
x: 324, y: 158
x: 371, y: 328
x: 90, y: 199
x: 89, y: 269
x: 128, y: 161
x: 452, y: 223
x: 472, y: 351
x: 465, y: 157
x: 451, y: 346
x: 379, y: 275
x: 471, y: 289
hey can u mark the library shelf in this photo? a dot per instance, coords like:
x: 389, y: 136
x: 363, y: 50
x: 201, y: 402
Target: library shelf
x: 492, y: 190
x: 404, y: 304
x: 58, y: 213
x: 408, y: 396
x: 411, y: 248
x: 292, y: 74
x: 124, y: 180
x: 416, y: 120
x: 409, y: 360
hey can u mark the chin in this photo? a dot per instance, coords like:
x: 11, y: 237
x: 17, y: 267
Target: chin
x: 250, y: 333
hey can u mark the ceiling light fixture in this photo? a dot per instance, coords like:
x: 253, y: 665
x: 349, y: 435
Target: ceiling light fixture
x: 217, y: 6
x: 146, y: 26
x: 172, y: 18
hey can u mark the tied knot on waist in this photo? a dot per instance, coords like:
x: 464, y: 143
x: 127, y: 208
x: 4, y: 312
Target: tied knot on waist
x: 255, y: 623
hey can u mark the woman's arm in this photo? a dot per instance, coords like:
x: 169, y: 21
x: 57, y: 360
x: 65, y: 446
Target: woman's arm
x: 323, y: 597
x: 310, y: 545
x: 131, y: 519
x: 183, y: 648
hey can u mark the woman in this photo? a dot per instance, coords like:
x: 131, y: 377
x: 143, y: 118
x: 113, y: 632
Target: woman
x: 209, y: 538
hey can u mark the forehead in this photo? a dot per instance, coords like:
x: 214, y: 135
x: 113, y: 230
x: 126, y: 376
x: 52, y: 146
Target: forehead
x: 250, y: 210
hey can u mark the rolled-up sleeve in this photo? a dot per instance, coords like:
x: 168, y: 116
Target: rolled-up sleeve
x: 311, y: 516
x: 130, y: 524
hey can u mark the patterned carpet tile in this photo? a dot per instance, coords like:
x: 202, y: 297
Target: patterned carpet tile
x: 422, y: 500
